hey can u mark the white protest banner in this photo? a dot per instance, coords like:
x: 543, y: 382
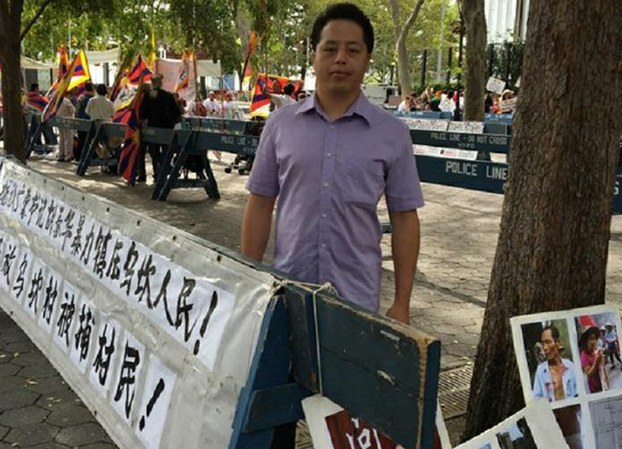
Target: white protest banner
x: 584, y: 341
x: 155, y: 329
x: 532, y: 427
x: 495, y: 85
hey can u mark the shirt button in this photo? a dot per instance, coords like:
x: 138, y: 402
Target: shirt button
x: 332, y: 126
x: 323, y: 245
x: 323, y: 215
x: 329, y: 154
x: 325, y: 184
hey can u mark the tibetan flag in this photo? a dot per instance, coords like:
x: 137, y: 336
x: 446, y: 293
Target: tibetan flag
x: 63, y: 62
x: 63, y: 87
x: 247, y: 72
x: 140, y: 70
x: 261, y: 97
x: 246, y: 80
x: 266, y: 85
x: 81, y: 72
x: 131, y: 146
x: 63, y: 66
x: 119, y: 83
x: 36, y: 101
x: 123, y: 112
x: 183, y: 77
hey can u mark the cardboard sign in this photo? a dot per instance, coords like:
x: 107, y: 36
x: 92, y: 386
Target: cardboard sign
x: 508, y: 105
x: 495, y: 85
x: 332, y: 427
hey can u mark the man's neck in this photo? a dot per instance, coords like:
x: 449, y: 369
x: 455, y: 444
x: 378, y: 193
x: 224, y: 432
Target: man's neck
x: 557, y: 361
x: 335, y: 106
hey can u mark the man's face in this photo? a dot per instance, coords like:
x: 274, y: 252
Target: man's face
x: 341, y: 58
x: 549, y: 345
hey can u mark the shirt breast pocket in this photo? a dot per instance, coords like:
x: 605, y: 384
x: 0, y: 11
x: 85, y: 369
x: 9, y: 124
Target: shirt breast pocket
x: 363, y: 183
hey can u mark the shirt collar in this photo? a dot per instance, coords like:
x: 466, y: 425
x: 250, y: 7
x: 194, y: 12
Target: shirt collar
x: 361, y: 108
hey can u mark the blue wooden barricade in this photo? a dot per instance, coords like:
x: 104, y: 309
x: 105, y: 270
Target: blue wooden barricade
x: 379, y: 370
x: 89, y: 157
x: 195, y: 144
x: 187, y: 144
x: 215, y: 124
x: 481, y: 175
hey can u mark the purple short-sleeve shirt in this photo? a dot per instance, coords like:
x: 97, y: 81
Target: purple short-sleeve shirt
x: 328, y: 179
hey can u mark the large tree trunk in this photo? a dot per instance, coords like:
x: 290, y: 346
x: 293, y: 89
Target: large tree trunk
x: 401, y: 33
x: 553, y: 242
x: 10, y: 23
x: 475, y: 77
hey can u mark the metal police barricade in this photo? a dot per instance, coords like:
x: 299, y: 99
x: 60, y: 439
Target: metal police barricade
x: 175, y: 342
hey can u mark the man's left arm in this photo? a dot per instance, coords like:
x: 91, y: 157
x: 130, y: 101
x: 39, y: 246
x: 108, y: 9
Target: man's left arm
x: 405, y: 240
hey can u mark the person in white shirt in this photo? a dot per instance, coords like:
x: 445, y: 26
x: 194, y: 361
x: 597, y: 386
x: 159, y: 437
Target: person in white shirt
x: 65, y: 136
x: 285, y: 98
x: 100, y: 107
x: 211, y: 104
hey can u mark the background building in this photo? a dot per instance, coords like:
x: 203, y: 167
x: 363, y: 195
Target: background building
x: 506, y: 20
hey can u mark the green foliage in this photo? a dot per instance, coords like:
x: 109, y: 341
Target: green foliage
x: 219, y: 29
x: 507, y: 61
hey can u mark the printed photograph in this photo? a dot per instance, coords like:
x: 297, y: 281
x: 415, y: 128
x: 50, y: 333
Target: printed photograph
x: 569, y: 420
x: 599, y: 349
x: 549, y: 360
x: 606, y: 422
x: 517, y: 436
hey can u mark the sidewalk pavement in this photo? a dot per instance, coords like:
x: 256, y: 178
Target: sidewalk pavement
x: 459, y: 232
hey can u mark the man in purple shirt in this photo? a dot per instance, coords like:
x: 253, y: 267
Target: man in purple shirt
x: 328, y: 161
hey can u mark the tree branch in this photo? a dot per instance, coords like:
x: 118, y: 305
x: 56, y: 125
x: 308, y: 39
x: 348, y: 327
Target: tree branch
x: 32, y: 21
x: 409, y: 22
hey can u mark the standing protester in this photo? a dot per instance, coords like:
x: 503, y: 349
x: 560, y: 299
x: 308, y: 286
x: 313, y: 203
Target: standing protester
x: 158, y: 109
x: 212, y: 106
x: 83, y: 101
x: 65, y: 136
x: 100, y: 107
x: 34, y: 106
x: 329, y: 160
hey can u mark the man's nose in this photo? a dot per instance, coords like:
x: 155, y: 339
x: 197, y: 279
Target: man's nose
x: 342, y: 53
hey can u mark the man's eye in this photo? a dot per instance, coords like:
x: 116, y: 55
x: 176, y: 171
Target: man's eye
x: 354, y: 50
x: 329, y: 49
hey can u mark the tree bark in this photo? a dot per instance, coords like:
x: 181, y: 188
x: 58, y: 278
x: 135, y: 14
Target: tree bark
x: 475, y: 76
x: 401, y: 33
x: 10, y: 22
x: 554, y: 236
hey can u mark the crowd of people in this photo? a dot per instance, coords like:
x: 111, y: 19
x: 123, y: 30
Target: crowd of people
x: 447, y: 101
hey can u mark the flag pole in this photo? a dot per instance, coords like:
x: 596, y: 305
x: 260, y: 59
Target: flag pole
x: 194, y: 80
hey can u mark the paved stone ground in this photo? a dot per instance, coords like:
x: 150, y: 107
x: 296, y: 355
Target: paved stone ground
x: 459, y: 234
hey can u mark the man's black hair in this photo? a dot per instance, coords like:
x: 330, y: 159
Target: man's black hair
x: 88, y: 86
x: 343, y: 11
x: 34, y: 86
x: 554, y: 331
x: 289, y: 89
x: 101, y: 89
